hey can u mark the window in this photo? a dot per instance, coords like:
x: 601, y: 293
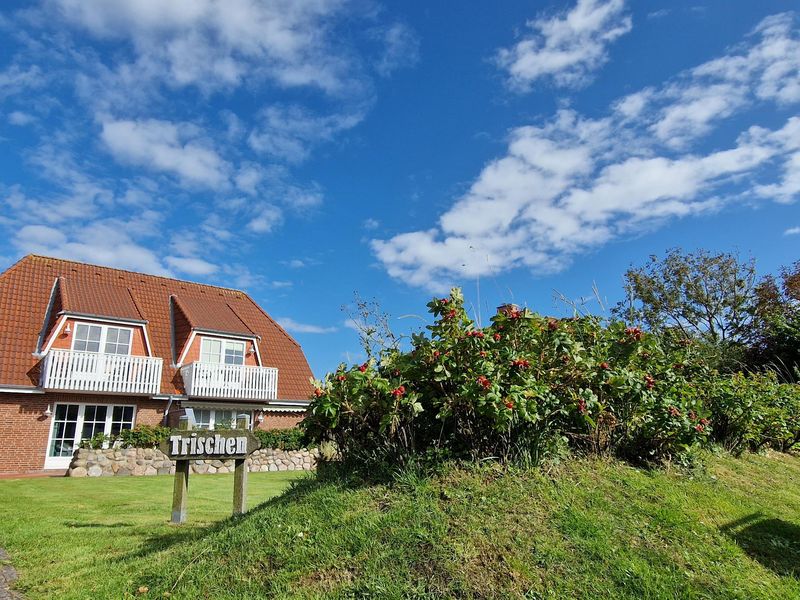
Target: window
x: 234, y: 353
x: 118, y: 341
x: 75, y: 422
x: 121, y: 418
x: 87, y: 337
x: 113, y: 340
x: 215, y: 351
x: 224, y: 419
x: 94, y: 421
x: 65, y: 423
x: 205, y: 418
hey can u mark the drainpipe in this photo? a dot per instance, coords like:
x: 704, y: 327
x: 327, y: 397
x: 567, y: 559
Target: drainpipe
x: 166, y: 410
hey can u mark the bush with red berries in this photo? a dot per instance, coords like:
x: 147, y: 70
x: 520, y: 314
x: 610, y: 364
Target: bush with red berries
x: 517, y: 390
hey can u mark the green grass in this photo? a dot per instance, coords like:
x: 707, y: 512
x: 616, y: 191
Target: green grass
x: 87, y: 538
x: 591, y: 529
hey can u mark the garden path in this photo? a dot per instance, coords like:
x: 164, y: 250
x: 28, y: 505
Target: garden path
x: 8, y: 575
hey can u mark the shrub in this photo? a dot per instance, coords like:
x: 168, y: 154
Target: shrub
x: 752, y: 411
x: 282, y: 439
x: 143, y: 436
x: 516, y: 390
x: 96, y: 442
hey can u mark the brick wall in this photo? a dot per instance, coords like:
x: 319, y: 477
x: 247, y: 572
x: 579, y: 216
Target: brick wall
x: 281, y: 420
x: 24, y: 429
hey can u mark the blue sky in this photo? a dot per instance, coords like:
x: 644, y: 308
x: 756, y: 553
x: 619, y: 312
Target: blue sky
x: 306, y: 149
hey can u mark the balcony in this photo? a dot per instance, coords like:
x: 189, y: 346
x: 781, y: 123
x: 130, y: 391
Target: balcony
x: 235, y: 382
x: 69, y: 370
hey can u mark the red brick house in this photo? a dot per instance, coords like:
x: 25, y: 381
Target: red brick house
x: 87, y: 349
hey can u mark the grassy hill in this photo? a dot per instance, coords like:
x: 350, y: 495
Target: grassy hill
x: 588, y: 529
x: 593, y: 529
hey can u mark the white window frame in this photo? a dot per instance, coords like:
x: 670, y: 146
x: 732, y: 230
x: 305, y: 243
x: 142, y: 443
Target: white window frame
x: 103, y: 336
x: 205, y: 339
x: 62, y: 462
x: 212, y: 419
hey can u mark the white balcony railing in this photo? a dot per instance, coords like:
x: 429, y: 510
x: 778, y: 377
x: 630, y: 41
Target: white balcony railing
x: 96, y: 372
x: 209, y: 380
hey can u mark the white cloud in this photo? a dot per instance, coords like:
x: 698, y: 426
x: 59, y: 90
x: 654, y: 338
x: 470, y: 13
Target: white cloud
x: 267, y: 218
x: 792, y: 231
x: 290, y: 132
x: 566, y: 48
x: 296, y: 327
x: 575, y: 183
x: 176, y: 148
x: 764, y: 68
x: 20, y: 118
x: 104, y: 243
x: 213, y: 44
x: 16, y: 79
x: 400, y: 48
x: 192, y: 266
x: 370, y: 224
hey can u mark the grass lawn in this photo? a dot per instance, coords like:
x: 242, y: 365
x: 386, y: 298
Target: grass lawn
x: 86, y: 538
x: 593, y: 529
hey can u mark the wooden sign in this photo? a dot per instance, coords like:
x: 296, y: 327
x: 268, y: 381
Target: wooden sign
x: 208, y: 445
x: 184, y: 446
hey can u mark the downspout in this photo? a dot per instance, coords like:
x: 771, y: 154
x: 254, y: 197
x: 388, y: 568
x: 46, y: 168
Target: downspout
x: 166, y: 410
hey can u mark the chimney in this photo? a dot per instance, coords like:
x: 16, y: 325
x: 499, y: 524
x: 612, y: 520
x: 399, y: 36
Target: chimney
x: 507, y: 309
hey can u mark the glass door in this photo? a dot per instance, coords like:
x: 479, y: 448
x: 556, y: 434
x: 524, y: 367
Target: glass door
x: 75, y: 422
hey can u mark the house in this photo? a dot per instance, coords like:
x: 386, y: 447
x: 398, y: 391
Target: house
x: 86, y: 349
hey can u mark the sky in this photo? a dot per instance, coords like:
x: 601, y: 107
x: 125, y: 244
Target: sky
x: 307, y: 150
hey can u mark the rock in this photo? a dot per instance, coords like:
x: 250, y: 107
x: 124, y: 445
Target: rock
x: 77, y: 472
x: 95, y: 471
x: 223, y: 470
x: 273, y: 467
x: 150, y: 470
x: 123, y: 472
x: 148, y: 453
x: 211, y: 469
x: 163, y: 471
x: 282, y: 468
x: 138, y: 470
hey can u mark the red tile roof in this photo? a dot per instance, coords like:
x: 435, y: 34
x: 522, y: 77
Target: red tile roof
x: 96, y: 298
x: 213, y: 315
x: 25, y: 292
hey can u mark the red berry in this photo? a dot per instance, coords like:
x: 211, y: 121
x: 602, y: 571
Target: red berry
x: 341, y: 378
x: 318, y: 392
x: 497, y: 337
x: 605, y: 366
x: 509, y: 405
x: 363, y: 367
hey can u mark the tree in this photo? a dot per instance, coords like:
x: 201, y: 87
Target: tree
x: 775, y: 338
x: 703, y: 295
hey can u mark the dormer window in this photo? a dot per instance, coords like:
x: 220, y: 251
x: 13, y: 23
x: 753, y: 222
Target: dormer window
x: 217, y: 351
x: 91, y: 338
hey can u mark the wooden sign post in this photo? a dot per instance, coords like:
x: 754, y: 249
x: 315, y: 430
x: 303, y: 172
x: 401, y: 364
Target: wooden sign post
x: 184, y: 445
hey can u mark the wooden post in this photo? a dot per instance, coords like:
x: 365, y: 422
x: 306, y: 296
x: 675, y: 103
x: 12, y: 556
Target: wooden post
x: 180, y: 490
x: 240, y: 475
